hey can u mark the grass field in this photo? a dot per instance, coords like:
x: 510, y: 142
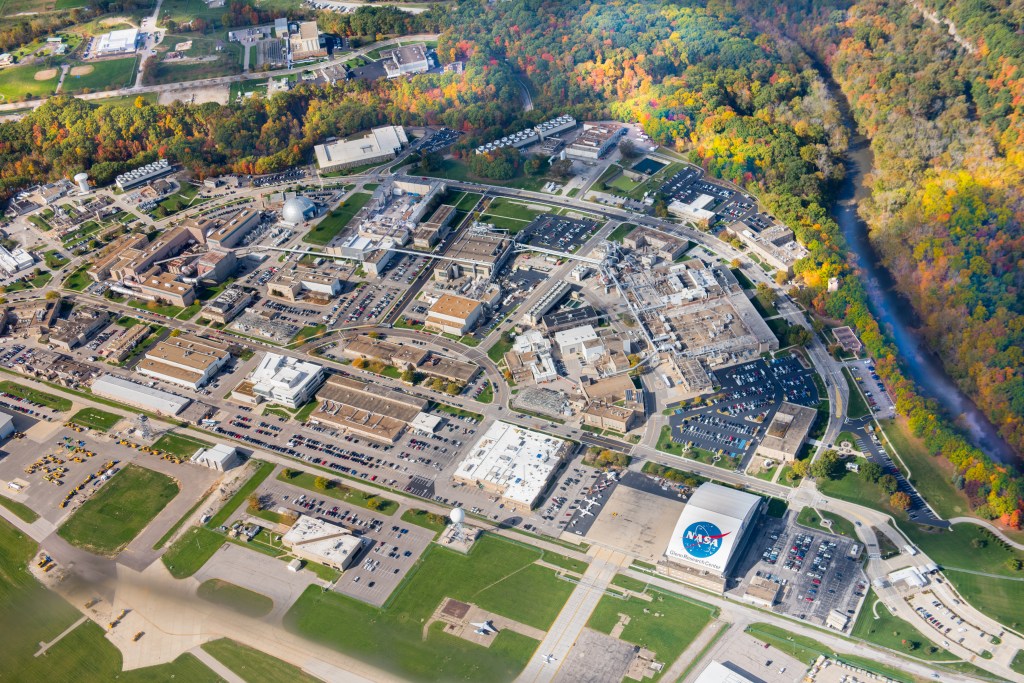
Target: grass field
x: 191, y: 551
x: 236, y: 598
x: 667, y: 625
x: 19, y: 83
x: 127, y: 100
x: 1018, y: 662
x: 496, y: 576
x: 78, y: 280
x: 263, y: 470
x: 108, y: 74
x: 620, y: 233
x: 326, y: 230
x: 422, y: 518
x: 857, y: 407
x: 40, y: 397
x: 179, y: 445
x: 339, y: 492
x: 21, y: 511
x: 510, y: 215
x: 254, y: 666
x: 97, y: 419
x: 929, y: 473
x: 890, y: 632
x: 111, y: 518
x: 841, y: 526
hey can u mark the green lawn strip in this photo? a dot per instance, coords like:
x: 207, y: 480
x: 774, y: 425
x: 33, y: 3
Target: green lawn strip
x: 666, y: 444
x: 496, y: 575
x: 487, y: 394
x: 153, y: 307
x: 327, y: 229
x: 846, y: 437
x: 458, y: 412
x: 807, y: 650
x: 427, y: 520
x: 576, y: 566
x: 263, y: 470
x: 20, y: 510
x: 339, y: 491
x: 620, y: 233
x: 30, y: 394
x: 629, y: 583
x: 254, y: 666
x: 1018, y: 662
x: 78, y: 280
x: 179, y: 445
x: 666, y: 625
x: 97, y: 419
x: 111, y: 518
x: 893, y: 633
x: 857, y: 407
x: 307, y: 333
x: 841, y: 526
x: 999, y: 599
x: 236, y: 598
x: 498, y: 350
x: 930, y: 474
x: 191, y: 551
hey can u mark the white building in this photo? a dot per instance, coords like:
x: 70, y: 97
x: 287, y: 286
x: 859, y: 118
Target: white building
x: 139, y: 395
x: 285, y: 380
x: 379, y: 145
x: 514, y: 463
x: 718, y: 673
x: 580, y: 341
x: 405, y: 60
x: 322, y: 542
x: 694, y: 211
x: 15, y: 261
x: 220, y: 457
x: 120, y: 42
x: 710, y: 531
x: 6, y: 425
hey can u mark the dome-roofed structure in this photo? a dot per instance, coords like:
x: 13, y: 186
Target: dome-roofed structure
x: 298, y: 209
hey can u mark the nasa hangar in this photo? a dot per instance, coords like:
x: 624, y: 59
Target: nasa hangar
x: 710, y: 535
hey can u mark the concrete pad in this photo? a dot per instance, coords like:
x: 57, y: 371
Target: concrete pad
x: 636, y: 522
x: 596, y: 658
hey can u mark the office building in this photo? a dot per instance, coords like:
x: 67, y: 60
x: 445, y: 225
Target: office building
x: 454, y: 314
x: 284, y: 380
x: 186, y: 360
x: 379, y: 145
x: 787, y: 432
x: 596, y: 140
x: 227, y: 305
x: 366, y: 410
x: 315, y: 540
x: 16, y: 261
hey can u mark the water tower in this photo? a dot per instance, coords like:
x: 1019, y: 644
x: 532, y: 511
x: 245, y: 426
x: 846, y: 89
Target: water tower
x: 458, y: 516
x: 83, y: 182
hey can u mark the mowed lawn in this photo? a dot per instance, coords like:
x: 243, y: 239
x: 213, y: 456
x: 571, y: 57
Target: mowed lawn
x: 97, y: 419
x: 665, y: 625
x: 111, y: 73
x: 254, y: 666
x: 890, y: 631
x: 30, y: 614
x: 179, y: 445
x: 111, y: 518
x: 499, y: 576
x: 19, y: 82
x: 40, y: 397
x: 191, y: 551
x: 326, y: 230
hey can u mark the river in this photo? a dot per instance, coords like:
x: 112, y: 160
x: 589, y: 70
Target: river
x: 895, y: 313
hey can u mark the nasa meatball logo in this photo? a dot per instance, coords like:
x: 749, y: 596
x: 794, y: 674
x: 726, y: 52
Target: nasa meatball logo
x: 703, y: 539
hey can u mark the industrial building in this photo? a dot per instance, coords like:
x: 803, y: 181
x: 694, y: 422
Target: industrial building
x: 514, y: 463
x: 292, y: 285
x: 477, y: 255
x: 143, y: 174
x: 596, y: 140
x: 6, y: 425
x: 122, y: 346
x: 315, y: 540
x: 283, y: 380
x: 405, y: 60
x: 528, y: 136
x: 695, y: 210
x: 716, y: 672
x: 165, y: 288
x: 81, y: 324
x: 379, y: 145
x: 220, y: 457
x: 227, y: 232
x: 298, y: 210
x: 13, y: 262
x: 558, y: 291
x: 366, y: 410
x: 122, y: 42
x: 776, y: 244
x: 187, y: 360
x: 139, y: 395
x: 304, y: 42
x: 581, y: 342
x: 608, y: 416
x: 226, y: 305
x: 454, y: 314
x: 668, y: 247
x: 787, y: 432
x: 710, y: 533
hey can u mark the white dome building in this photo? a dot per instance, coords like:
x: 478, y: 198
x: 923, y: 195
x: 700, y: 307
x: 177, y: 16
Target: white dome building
x: 297, y: 210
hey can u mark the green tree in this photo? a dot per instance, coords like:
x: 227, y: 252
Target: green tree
x: 888, y: 484
x: 871, y: 471
x: 321, y: 483
x: 827, y: 466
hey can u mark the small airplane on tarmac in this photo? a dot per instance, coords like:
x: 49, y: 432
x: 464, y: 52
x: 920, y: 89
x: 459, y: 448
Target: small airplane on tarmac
x: 586, y: 513
x: 484, y: 628
x: 548, y: 659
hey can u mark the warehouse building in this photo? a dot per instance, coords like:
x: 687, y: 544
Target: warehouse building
x: 514, y: 463
x: 315, y: 540
x: 595, y: 142
x: 367, y: 410
x: 379, y: 145
x: 143, y: 174
x: 454, y: 314
x: 187, y: 360
x: 476, y: 255
x: 405, y: 60
x: 710, y: 534
x: 787, y: 432
x: 220, y: 457
x: 139, y: 395
x: 122, y: 42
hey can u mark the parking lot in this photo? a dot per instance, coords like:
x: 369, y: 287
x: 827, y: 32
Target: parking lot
x: 730, y: 423
x: 870, y: 383
x: 818, y: 572
x: 944, y: 620
x: 289, y: 176
x: 559, y: 233
x: 390, y: 546
x: 440, y: 140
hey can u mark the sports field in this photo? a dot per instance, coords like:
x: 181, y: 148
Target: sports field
x: 23, y: 82
x: 109, y: 74
x: 123, y: 507
x: 496, y: 576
